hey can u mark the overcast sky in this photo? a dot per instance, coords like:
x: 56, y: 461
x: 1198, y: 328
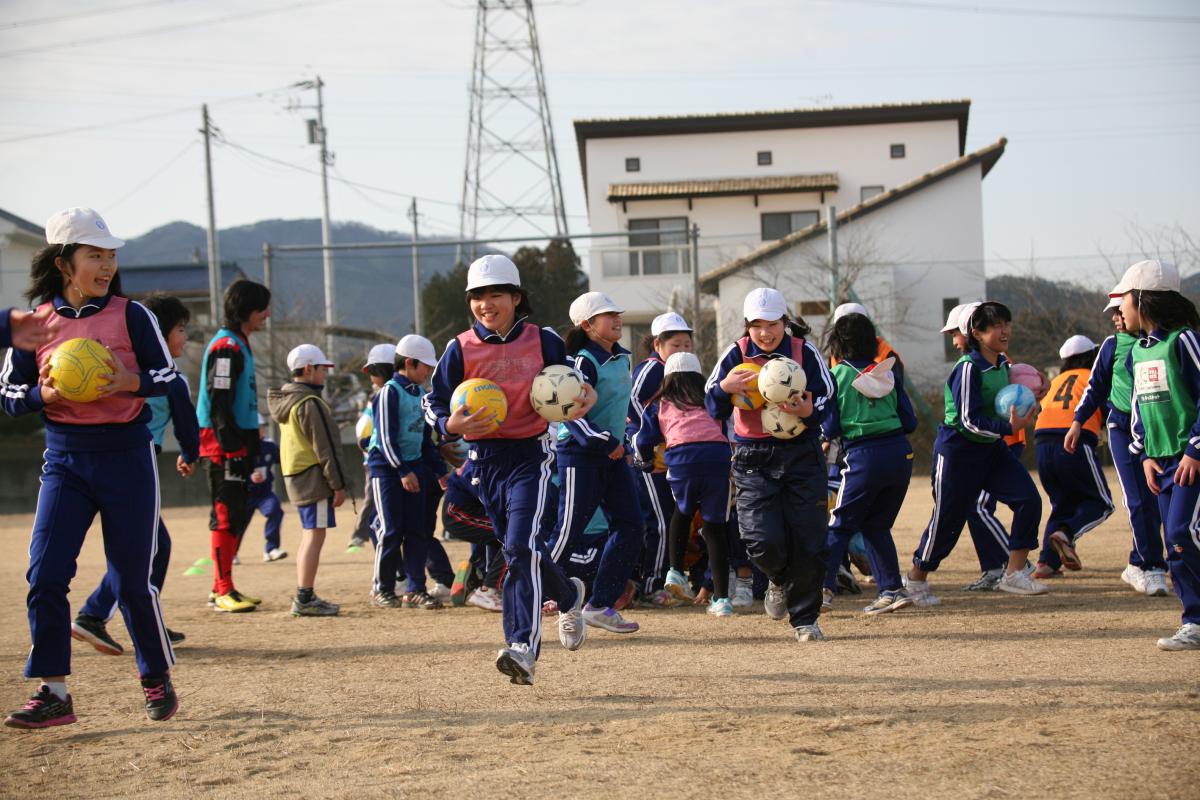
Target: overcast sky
x: 100, y: 101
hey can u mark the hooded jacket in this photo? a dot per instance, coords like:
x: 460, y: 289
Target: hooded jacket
x: 314, y: 426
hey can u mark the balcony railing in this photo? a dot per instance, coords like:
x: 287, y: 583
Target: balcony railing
x: 647, y: 260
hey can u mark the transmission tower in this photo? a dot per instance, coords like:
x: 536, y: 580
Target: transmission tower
x: 511, y: 175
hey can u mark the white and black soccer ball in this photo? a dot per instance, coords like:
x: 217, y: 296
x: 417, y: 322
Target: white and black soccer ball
x: 555, y: 392
x: 781, y: 379
x: 781, y: 424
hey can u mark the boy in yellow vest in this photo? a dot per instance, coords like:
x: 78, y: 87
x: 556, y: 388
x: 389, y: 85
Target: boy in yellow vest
x: 312, y: 469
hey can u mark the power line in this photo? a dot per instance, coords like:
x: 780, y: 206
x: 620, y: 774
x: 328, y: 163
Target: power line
x: 158, y: 172
x: 1013, y: 11
x: 29, y: 23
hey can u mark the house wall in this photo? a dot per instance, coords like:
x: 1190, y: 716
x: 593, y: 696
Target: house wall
x: 17, y: 247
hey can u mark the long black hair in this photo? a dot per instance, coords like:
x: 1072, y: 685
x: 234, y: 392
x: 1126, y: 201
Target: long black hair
x: 1080, y: 360
x: 1168, y: 310
x: 524, y: 306
x: 988, y: 314
x: 683, y: 388
x: 796, y: 327
x: 852, y: 338
x: 575, y: 339
x: 46, y: 279
x: 243, y: 298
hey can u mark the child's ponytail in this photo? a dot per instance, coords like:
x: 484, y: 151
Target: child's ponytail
x: 1168, y: 310
x: 576, y: 338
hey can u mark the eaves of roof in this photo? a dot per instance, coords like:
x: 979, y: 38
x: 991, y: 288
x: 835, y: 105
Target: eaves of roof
x: 722, y: 187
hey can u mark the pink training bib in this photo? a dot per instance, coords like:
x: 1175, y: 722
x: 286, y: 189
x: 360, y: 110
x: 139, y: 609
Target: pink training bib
x: 511, y: 366
x: 748, y: 424
x: 687, y: 425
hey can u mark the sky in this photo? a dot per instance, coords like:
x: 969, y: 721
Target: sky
x: 100, y: 103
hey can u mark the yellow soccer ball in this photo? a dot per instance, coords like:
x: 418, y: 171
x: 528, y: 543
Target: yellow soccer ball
x: 479, y: 393
x: 76, y: 366
x: 751, y: 400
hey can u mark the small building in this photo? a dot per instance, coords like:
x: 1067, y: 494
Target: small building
x: 19, y: 240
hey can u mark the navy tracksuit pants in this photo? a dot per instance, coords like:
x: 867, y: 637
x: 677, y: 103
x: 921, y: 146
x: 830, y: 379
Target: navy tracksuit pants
x: 988, y: 533
x: 267, y: 503
x: 656, y: 501
x: 781, y: 507
x: 874, y: 482
x: 402, y: 534
x: 1180, y: 510
x: 1079, y: 496
x: 961, y: 470
x: 607, y: 484
x: 122, y: 486
x: 103, y: 601
x: 1141, y: 504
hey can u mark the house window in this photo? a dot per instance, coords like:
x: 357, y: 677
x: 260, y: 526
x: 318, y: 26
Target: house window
x: 949, y: 350
x: 867, y: 192
x: 656, y: 247
x: 764, y: 158
x: 633, y: 165
x: 813, y: 309
x: 777, y: 225
x: 898, y: 151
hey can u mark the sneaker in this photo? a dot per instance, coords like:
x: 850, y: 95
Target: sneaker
x: 1020, y: 583
x: 921, y: 595
x: 161, y: 702
x: 44, y: 710
x: 92, y: 630
x: 572, y: 628
x: 487, y: 599
x: 316, y: 607
x: 422, y: 600
x: 357, y: 543
x: 242, y: 595
x: 721, y: 607
x: 174, y: 637
x: 1066, y: 551
x: 1135, y: 577
x: 233, y: 603
x: 1155, y: 581
x: 385, y: 599
x: 517, y: 663
x: 677, y: 584
x: 889, y: 601
x: 827, y: 599
x: 626, y: 598
x: 608, y: 619
x: 1186, y: 638
x: 212, y: 599
x: 274, y: 554
x: 743, y: 592
x: 809, y: 633
x: 440, y: 591
x: 986, y: 582
x: 775, y: 601
x: 237, y: 562
x: 549, y: 608
x: 1044, y: 571
x: 846, y: 582
x: 661, y: 599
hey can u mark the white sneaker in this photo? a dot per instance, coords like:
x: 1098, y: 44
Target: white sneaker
x: 572, y: 630
x: 1186, y: 638
x: 237, y: 562
x: 274, y: 554
x: 1135, y: 578
x: 517, y: 663
x: 721, y: 607
x: 775, y: 603
x: 677, y: 584
x: 922, y: 596
x: 826, y: 600
x: 1020, y: 583
x: 1155, y: 583
x: 743, y: 592
x: 440, y: 591
x: 608, y: 619
x: 486, y: 598
x: 809, y: 633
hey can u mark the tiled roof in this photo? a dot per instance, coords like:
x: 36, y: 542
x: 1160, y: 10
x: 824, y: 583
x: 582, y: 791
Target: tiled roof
x: 986, y: 157
x: 722, y: 187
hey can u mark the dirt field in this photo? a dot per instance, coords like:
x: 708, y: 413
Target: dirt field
x: 984, y: 697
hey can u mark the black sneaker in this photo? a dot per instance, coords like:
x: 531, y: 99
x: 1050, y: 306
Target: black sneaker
x: 44, y: 710
x: 175, y: 636
x: 421, y: 600
x: 87, y: 628
x: 386, y: 599
x: 161, y: 702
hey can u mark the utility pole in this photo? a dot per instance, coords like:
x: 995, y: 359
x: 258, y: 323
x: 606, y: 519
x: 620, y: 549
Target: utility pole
x: 418, y: 326
x: 317, y: 134
x: 697, y: 327
x: 214, y: 258
x: 833, y: 259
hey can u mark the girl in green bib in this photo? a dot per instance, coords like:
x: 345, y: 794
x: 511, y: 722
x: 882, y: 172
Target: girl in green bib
x: 1165, y: 363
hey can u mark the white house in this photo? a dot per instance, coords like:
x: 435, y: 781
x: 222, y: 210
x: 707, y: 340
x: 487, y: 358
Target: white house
x: 758, y: 184
x: 19, y: 240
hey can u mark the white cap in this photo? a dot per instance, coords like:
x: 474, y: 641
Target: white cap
x: 849, y: 308
x: 1075, y: 345
x: 670, y: 321
x: 682, y: 362
x: 418, y: 347
x: 964, y: 317
x: 492, y: 270
x: 306, y: 355
x: 80, y: 226
x: 1151, y: 275
x: 952, y: 318
x: 590, y: 304
x: 382, y: 354
x: 765, y: 304
x: 1113, y: 302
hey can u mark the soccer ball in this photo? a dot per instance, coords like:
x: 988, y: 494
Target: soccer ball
x: 781, y: 379
x: 751, y: 400
x: 781, y: 424
x: 477, y: 394
x: 1015, y: 394
x: 1027, y: 376
x: 555, y: 392
x: 76, y: 366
